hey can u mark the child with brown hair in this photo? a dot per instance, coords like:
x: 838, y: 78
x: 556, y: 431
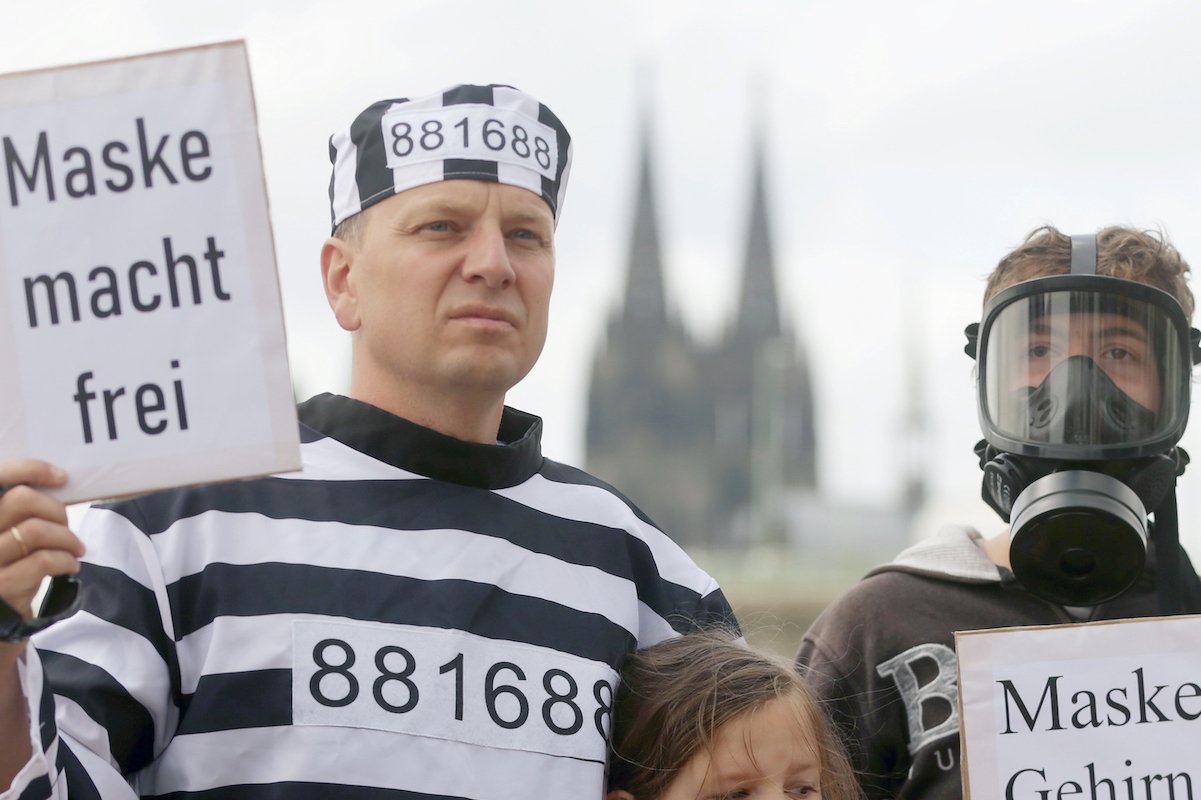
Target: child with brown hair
x: 703, y: 716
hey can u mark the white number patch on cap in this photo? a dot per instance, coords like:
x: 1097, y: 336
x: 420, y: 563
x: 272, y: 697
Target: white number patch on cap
x: 475, y: 132
x: 450, y: 685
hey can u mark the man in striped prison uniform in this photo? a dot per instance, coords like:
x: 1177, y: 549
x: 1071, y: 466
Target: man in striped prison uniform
x: 430, y: 609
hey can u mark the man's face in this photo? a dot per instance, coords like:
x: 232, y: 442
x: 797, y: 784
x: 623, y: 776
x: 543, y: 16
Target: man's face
x: 449, y: 287
x: 1117, y: 344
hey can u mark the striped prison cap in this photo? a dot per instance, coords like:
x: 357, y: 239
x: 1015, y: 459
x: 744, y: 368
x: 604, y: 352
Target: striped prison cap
x: 486, y: 133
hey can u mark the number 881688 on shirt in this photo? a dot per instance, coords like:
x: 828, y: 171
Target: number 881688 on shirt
x: 450, y: 685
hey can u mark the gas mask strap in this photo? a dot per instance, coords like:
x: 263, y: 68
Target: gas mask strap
x: 1084, y: 254
x: 1166, y: 535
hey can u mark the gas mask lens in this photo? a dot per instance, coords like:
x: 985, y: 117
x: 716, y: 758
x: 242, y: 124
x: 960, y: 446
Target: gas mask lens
x: 1082, y: 372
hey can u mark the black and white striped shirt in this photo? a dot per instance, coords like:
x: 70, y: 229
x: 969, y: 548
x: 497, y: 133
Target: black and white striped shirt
x: 412, y: 616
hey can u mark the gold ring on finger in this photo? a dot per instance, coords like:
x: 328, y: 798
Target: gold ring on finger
x: 20, y: 540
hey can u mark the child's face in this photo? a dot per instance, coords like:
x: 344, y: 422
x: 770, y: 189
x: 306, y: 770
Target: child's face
x: 765, y: 754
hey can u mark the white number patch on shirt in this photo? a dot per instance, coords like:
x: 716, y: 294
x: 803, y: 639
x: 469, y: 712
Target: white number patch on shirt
x: 470, y: 132
x: 450, y: 685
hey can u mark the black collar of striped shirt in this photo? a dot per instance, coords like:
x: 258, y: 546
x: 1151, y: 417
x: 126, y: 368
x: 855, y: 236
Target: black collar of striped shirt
x: 414, y: 448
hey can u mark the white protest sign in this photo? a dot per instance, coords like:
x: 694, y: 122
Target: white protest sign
x: 1097, y: 711
x: 141, y: 333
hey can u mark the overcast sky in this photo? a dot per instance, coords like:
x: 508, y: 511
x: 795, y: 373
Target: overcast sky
x: 910, y: 146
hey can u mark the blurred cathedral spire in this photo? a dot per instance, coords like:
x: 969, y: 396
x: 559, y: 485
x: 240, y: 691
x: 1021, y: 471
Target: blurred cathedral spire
x: 758, y: 307
x: 708, y: 440
x: 645, y: 299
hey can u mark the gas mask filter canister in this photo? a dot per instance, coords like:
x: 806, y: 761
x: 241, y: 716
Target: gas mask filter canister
x: 1078, y: 537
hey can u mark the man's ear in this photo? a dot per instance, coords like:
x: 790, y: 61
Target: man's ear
x: 619, y: 794
x: 337, y: 258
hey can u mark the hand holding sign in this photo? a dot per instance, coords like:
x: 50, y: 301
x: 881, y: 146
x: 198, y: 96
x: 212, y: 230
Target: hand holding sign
x: 35, y: 542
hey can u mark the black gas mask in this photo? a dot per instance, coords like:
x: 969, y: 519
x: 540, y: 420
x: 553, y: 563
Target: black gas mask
x: 1083, y: 393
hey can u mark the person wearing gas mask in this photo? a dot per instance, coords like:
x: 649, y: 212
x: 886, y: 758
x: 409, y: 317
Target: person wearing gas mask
x: 1084, y: 359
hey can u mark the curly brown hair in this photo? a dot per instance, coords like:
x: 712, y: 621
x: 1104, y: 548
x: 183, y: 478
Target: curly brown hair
x: 674, y: 697
x: 1144, y: 256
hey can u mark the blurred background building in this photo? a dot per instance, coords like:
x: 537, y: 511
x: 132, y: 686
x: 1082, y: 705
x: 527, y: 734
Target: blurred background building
x: 710, y: 439
x: 717, y: 441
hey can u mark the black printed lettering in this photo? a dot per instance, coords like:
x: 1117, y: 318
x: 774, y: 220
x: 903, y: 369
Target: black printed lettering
x: 49, y: 284
x: 520, y: 137
x: 134, y: 293
x: 81, y: 181
x: 172, y: 263
x: 124, y: 169
x: 109, y: 414
x: 181, y: 409
x: 494, y: 138
x: 213, y: 255
x: 1013, y: 780
x: 110, y: 291
x: 149, y: 399
x: 406, y: 694
x: 1180, y: 696
x: 343, y: 670
x: 1064, y: 791
x: 542, y: 152
x: 1145, y: 703
x: 144, y: 408
x: 492, y: 692
x: 1050, y: 691
x: 82, y: 396
x: 187, y: 154
x: 1090, y: 706
x: 387, y: 676
x: 1116, y: 706
x: 456, y: 665
x: 557, y: 699
x: 106, y: 292
x: 431, y: 130
x: 604, y: 712
x: 150, y: 162
x: 41, y: 166
x: 84, y: 170
x: 399, y: 136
